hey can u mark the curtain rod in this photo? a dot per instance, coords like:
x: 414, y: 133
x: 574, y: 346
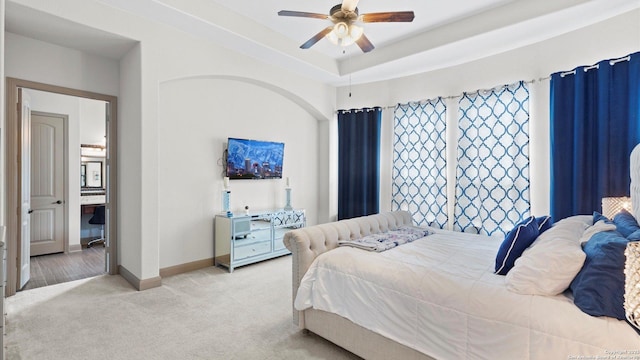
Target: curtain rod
x: 359, y: 110
x: 594, y: 66
x: 466, y: 93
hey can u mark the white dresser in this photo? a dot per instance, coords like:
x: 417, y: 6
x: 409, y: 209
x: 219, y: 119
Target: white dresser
x: 245, y: 239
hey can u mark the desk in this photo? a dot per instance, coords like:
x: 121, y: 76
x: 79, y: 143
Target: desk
x: 88, y: 202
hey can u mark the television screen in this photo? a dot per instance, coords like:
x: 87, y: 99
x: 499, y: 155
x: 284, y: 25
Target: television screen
x: 253, y: 159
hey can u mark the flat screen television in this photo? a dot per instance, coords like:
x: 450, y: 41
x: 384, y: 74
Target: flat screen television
x: 254, y: 159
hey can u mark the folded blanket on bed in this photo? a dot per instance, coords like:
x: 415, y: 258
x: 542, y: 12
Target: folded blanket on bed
x: 387, y: 240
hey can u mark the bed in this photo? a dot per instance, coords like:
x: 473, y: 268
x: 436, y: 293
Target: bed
x: 438, y: 297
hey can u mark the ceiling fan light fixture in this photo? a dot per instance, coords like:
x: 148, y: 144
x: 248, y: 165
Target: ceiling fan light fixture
x: 341, y: 30
x: 345, y: 35
x: 356, y: 32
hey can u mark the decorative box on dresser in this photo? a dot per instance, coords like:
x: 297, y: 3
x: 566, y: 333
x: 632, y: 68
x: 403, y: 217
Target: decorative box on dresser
x: 243, y: 239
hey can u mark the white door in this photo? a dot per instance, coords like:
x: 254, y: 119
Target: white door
x: 47, y: 183
x: 24, y: 109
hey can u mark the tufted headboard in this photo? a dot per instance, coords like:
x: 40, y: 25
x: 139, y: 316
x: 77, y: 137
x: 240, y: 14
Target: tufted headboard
x: 307, y: 243
x: 635, y: 181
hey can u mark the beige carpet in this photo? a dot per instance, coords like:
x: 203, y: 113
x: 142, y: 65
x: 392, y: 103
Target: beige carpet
x: 205, y: 314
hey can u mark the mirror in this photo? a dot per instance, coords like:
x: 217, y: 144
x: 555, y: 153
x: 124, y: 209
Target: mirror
x: 93, y: 174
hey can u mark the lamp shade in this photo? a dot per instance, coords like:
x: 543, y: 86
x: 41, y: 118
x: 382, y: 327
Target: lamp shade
x: 632, y: 283
x: 612, y: 205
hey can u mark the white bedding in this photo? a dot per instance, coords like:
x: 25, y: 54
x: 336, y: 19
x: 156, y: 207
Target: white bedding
x: 439, y: 296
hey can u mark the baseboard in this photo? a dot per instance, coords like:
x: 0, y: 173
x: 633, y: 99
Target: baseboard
x: 75, y: 248
x: 140, y: 285
x: 186, y: 267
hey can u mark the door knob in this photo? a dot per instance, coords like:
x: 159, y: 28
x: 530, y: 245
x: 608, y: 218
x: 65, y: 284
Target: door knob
x: 30, y: 211
x: 58, y: 202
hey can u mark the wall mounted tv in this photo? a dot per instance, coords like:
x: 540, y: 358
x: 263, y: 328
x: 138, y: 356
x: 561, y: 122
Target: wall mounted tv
x: 254, y: 159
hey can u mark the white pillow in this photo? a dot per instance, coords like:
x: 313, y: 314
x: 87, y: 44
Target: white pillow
x: 549, y: 265
x: 596, y: 228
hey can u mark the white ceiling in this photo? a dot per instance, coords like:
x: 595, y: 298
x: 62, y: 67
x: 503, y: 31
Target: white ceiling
x: 443, y: 33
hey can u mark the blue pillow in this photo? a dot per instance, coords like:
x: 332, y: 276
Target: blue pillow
x: 597, y: 217
x: 544, y: 223
x: 515, y: 243
x: 598, y: 289
x: 625, y: 223
x: 634, y: 236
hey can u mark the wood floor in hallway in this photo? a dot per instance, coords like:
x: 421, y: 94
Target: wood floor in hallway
x: 58, y: 268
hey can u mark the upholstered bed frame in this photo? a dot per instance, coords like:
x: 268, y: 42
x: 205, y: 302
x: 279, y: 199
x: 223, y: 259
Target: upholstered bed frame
x: 305, y: 245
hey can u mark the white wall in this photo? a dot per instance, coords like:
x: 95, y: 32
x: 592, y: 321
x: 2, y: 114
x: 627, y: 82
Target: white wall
x: 163, y: 55
x: 3, y: 169
x: 196, y: 116
x: 613, y: 38
x: 93, y: 123
x: 35, y: 60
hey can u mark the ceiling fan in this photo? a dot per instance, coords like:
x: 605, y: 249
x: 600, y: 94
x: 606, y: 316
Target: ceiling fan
x: 343, y: 31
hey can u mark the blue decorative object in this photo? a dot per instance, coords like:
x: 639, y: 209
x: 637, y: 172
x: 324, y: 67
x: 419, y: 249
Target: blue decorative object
x: 226, y: 203
x: 288, y: 206
x: 515, y: 243
x: 419, y: 162
x: 598, y: 289
x: 595, y: 124
x: 492, y: 173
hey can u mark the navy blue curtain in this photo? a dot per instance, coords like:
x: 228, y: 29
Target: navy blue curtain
x: 595, y: 116
x: 358, y: 162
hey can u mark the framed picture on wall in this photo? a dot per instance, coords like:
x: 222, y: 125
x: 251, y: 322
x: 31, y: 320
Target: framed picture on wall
x: 93, y: 174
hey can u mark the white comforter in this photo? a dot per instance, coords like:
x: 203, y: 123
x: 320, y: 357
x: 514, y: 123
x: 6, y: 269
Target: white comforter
x: 439, y: 296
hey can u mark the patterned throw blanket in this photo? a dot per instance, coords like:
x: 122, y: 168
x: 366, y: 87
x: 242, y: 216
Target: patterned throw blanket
x: 390, y: 239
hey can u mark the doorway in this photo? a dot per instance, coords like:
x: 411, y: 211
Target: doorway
x: 17, y: 256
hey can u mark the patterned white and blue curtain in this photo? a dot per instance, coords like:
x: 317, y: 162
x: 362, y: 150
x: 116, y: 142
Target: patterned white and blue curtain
x: 492, y: 172
x: 419, y: 163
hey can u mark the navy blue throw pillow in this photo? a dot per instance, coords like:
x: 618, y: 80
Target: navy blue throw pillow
x: 598, y: 289
x: 544, y: 223
x: 597, y: 217
x: 515, y: 243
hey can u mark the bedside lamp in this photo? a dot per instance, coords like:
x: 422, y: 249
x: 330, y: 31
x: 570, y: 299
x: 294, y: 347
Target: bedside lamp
x: 612, y: 205
x: 632, y: 283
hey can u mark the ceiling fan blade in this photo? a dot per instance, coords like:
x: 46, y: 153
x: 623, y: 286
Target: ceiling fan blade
x: 364, y: 44
x: 394, y: 16
x: 349, y: 5
x: 302, y: 14
x: 317, y: 37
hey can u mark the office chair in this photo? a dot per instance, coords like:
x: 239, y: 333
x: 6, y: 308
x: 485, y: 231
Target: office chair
x: 98, y: 219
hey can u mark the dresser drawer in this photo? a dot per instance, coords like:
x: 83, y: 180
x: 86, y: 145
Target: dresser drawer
x: 255, y: 249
